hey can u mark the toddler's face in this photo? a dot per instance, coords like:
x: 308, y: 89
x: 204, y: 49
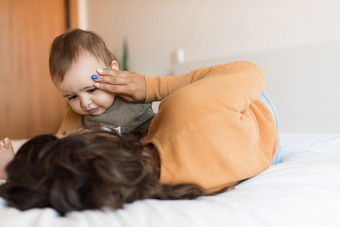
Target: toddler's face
x: 79, y: 90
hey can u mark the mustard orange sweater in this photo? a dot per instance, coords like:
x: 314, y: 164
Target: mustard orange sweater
x: 211, y: 128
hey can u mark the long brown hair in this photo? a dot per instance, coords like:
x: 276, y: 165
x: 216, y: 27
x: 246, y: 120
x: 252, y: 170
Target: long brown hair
x: 87, y: 170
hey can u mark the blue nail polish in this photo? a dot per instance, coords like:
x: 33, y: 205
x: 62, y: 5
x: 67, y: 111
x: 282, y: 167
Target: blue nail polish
x: 107, y: 68
x: 94, y: 77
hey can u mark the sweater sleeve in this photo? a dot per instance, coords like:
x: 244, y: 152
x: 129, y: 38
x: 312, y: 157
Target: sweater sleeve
x: 157, y: 88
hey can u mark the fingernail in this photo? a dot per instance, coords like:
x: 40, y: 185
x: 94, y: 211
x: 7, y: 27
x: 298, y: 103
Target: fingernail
x: 97, y: 84
x: 100, y: 70
x: 107, y: 68
x: 95, y: 77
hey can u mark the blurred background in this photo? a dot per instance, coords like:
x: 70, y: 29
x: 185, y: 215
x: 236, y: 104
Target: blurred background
x: 296, y: 42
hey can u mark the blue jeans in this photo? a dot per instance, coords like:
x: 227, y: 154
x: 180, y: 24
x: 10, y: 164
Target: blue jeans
x: 264, y: 96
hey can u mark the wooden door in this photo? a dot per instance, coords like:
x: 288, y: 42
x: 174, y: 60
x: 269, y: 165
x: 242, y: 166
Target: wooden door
x: 29, y: 103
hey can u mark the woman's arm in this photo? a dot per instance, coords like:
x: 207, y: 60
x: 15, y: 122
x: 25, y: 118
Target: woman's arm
x: 158, y: 88
x: 135, y: 87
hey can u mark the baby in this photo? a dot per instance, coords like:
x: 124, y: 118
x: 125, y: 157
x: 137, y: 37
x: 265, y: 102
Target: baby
x: 75, y: 59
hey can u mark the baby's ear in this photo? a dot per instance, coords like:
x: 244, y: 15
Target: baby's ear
x: 114, y: 65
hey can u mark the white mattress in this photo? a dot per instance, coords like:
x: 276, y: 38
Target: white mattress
x: 303, y: 190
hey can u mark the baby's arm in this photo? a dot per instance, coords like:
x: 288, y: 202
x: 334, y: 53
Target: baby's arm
x: 6, y: 155
x: 71, y: 122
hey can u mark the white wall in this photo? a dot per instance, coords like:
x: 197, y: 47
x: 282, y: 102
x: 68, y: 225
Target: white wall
x: 214, y: 29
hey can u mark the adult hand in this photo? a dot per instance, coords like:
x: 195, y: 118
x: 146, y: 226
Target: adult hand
x: 128, y: 85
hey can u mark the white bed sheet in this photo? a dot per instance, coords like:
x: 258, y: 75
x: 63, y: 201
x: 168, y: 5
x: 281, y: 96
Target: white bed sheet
x: 303, y: 190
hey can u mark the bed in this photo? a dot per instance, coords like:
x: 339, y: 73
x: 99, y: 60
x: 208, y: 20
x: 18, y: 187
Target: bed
x: 303, y: 190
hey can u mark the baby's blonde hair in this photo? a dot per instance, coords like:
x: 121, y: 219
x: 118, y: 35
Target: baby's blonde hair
x: 67, y: 47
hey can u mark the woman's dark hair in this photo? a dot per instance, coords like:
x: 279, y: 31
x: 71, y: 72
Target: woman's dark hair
x: 86, y: 170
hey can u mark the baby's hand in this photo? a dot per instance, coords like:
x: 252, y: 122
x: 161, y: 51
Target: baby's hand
x: 6, y: 155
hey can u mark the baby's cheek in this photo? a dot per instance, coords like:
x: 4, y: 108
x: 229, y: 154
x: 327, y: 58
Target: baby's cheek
x: 105, y: 100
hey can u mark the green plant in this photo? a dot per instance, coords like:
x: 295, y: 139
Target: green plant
x: 125, y: 56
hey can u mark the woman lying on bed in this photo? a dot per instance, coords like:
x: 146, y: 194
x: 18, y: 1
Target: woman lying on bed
x: 213, y: 130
